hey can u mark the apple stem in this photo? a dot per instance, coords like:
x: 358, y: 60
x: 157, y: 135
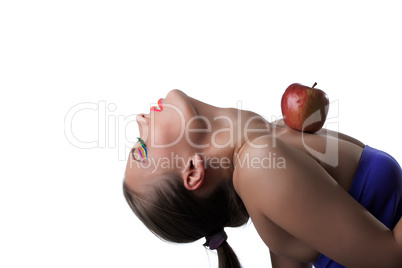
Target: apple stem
x: 315, y: 83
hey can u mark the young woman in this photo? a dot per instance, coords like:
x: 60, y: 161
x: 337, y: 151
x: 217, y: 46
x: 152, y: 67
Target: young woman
x: 324, y: 198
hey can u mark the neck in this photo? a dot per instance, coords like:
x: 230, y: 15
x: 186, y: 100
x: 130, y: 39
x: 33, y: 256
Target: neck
x: 219, y: 135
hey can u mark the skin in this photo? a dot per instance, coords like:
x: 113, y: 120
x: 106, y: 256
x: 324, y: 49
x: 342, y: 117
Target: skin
x: 299, y: 210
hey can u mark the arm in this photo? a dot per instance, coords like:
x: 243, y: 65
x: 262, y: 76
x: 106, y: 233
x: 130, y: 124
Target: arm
x: 283, y: 262
x: 306, y: 201
x: 398, y: 231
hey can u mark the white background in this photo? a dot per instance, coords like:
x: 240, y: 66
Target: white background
x: 62, y: 206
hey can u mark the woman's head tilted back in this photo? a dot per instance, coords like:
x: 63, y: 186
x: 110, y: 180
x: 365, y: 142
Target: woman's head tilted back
x: 169, y: 183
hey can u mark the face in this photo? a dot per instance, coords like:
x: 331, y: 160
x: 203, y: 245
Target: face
x: 162, y: 140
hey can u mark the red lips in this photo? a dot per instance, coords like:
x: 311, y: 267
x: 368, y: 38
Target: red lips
x: 159, y: 109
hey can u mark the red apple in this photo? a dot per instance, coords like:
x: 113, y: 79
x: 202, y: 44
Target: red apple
x: 304, y: 108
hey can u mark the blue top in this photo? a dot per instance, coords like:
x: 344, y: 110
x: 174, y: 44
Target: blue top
x: 377, y: 185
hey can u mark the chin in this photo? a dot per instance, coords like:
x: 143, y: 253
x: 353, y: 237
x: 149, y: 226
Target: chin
x: 182, y: 102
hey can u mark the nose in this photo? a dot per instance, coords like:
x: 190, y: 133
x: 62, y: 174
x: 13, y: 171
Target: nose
x: 143, y: 124
x: 142, y: 117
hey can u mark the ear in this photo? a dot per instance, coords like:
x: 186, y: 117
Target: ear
x: 193, y: 175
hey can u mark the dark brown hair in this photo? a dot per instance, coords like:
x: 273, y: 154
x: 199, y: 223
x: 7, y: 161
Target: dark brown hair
x: 176, y: 214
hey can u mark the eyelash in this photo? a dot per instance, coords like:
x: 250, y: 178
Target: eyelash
x: 141, y: 142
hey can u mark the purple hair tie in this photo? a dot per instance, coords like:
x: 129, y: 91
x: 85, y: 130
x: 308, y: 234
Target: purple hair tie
x: 216, y: 240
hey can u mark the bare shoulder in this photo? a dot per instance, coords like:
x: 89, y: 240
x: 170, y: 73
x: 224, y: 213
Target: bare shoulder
x: 282, y: 127
x: 263, y: 158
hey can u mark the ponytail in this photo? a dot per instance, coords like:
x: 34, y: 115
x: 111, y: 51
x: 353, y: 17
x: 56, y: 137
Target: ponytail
x: 226, y: 256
